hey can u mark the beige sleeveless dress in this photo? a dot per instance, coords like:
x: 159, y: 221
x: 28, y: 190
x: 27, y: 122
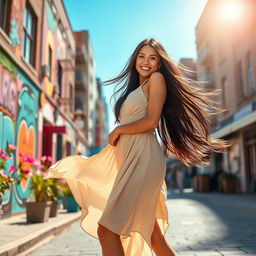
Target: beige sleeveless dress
x: 122, y: 187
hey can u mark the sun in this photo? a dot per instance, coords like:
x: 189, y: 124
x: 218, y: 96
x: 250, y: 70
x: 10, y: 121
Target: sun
x: 231, y: 10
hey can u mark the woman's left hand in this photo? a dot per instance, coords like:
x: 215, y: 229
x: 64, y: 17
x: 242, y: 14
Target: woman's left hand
x: 113, y: 137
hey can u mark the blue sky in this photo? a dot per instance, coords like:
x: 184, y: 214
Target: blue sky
x: 117, y: 26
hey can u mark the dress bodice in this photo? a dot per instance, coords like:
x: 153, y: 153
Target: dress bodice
x: 134, y: 107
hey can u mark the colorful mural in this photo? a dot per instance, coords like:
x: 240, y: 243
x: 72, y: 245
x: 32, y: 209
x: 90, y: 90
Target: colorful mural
x: 19, y: 100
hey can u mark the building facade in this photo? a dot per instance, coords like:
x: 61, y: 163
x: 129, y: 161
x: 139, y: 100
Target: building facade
x: 37, y: 86
x: 227, y: 59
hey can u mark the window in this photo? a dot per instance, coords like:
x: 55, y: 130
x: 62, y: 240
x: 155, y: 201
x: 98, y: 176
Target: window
x: 59, y: 78
x: 50, y: 62
x: 240, y: 78
x: 29, y: 36
x: 4, y: 14
x: 79, y: 102
x: 250, y: 74
x: 59, y: 147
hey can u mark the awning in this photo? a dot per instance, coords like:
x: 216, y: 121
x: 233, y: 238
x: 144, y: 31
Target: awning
x: 235, y: 126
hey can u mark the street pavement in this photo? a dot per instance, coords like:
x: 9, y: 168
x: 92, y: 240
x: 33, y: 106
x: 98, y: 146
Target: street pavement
x: 201, y: 224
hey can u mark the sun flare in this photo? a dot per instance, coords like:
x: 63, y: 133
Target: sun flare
x: 231, y: 10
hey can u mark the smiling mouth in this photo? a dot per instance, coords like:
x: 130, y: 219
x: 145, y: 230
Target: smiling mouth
x: 145, y: 68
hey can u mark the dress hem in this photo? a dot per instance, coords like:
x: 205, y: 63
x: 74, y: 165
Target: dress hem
x: 129, y: 234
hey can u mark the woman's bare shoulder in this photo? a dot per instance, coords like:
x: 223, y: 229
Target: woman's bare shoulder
x: 157, y: 79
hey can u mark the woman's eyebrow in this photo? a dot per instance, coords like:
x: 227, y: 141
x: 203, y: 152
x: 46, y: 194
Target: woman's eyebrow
x: 149, y: 55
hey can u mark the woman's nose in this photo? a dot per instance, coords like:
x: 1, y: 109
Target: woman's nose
x: 146, y: 60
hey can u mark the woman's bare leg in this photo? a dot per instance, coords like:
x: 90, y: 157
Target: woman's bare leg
x: 110, y: 242
x: 159, y: 244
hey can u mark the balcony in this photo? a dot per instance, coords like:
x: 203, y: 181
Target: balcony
x: 81, y: 55
x: 81, y: 79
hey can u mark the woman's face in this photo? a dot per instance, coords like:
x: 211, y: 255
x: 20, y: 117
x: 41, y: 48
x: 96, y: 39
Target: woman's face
x: 147, y: 61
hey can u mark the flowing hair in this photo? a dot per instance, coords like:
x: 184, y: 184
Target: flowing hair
x: 184, y: 126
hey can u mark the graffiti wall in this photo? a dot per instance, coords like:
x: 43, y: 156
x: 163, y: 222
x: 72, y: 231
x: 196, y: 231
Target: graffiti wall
x: 19, y: 100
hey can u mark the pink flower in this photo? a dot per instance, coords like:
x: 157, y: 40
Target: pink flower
x: 30, y: 159
x: 40, y: 166
x: 62, y: 181
x: 12, y: 147
x: 22, y: 155
x: 12, y: 169
x: 43, y: 158
x: 49, y: 158
x: 5, y: 157
x: 1, y: 151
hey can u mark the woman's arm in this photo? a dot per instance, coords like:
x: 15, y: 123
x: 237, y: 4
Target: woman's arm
x: 157, y: 94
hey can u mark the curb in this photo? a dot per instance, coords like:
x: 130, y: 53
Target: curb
x: 23, y: 244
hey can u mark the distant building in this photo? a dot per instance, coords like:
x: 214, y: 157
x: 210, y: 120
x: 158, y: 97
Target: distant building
x: 89, y: 101
x: 102, y: 118
x: 227, y: 59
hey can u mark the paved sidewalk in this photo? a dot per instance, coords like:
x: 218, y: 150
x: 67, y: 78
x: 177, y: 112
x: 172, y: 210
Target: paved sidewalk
x: 201, y: 224
x: 211, y: 224
x: 16, y: 235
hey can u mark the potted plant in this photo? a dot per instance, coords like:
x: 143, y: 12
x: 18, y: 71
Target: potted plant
x: 37, y: 209
x: 70, y: 201
x: 201, y: 183
x: 8, y: 180
x: 227, y: 182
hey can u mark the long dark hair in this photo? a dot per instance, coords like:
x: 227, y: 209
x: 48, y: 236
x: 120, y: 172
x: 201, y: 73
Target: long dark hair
x: 184, y: 126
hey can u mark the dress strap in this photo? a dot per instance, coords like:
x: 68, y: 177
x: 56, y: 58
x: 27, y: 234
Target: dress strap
x: 144, y: 82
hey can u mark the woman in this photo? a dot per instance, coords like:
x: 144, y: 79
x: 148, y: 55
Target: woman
x: 121, y: 190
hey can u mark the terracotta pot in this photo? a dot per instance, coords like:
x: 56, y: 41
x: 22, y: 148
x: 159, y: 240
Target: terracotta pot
x: 229, y: 185
x: 203, y: 183
x: 38, y: 211
x: 54, y: 208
